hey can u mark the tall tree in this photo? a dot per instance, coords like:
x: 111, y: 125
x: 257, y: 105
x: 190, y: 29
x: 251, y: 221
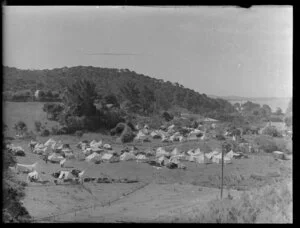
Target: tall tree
x: 237, y: 106
x: 132, y: 94
x: 267, y: 111
x: 278, y: 111
x: 290, y: 107
x: 147, y: 100
x: 79, y: 98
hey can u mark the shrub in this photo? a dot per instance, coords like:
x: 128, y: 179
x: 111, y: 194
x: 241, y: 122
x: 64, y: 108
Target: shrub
x: 55, y: 130
x: 12, y: 192
x: 112, y: 117
x: 266, y: 143
x: 117, y: 129
x: 183, y: 131
x: 288, y: 121
x: 29, y: 135
x: 8, y: 158
x: 53, y: 110
x: 230, y: 145
x: 220, y: 137
x: 45, y: 132
x: 37, y: 126
x: 289, y: 146
x: 20, y: 127
x: 167, y: 116
x: 62, y: 130
x: 75, y: 123
x: 79, y: 133
x: 127, y: 135
x: 90, y: 123
x: 272, y: 131
x: 155, y: 122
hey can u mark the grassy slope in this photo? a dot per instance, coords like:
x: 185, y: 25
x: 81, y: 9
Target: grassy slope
x: 29, y: 112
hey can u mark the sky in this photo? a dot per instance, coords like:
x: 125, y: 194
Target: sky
x: 220, y: 51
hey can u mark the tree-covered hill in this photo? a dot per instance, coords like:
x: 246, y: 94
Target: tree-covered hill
x: 110, y: 81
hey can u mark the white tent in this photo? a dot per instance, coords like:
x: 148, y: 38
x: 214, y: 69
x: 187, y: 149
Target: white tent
x: 93, y: 157
x: 162, y: 160
x: 107, y: 157
x: 55, y: 157
x: 127, y: 156
x: 231, y: 155
x: 155, y: 135
x: 107, y: 146
x: 211, y: 154
x: 278, y: 154
x: 140, y: 136
x: 96, y: 144
x: 141, y: 157
x: 175, y: 152
x: 218, y: 159
x: 164, y: 139
x: 97, y: 149
x: 210, y: 120
x: 161, y: 152
x: 50, y: 142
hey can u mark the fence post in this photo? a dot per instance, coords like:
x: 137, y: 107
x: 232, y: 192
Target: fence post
x: 222, y: 171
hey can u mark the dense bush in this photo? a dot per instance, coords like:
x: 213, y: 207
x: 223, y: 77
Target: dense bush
x: 288, y: 120
x: 229, y: 145
x: 289, y: 147
x: 79, y: 133
x: 54, y: 130
x: 37, y: 126
x: 266, y: 143
x: 220, y: 137
x: 155, y: 122
x: 272, y: 131
x: 275, y: 118
x: 167, y: 116
x: 20, y: 127
x: 29, y: 135
x: 53, y: 110
x: 75, y: 123
x: 45, y: 132
x: 110, y: 118
x: 8, y: 158
x: 62, y: 130
x: 12, y: 192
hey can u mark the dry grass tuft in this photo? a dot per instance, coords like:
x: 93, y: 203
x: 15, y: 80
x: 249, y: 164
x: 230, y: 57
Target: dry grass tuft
x: 270, y: 204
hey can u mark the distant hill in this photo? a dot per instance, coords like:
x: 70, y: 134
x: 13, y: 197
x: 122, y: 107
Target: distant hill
x: 273, y: 102
x: 110, y: 80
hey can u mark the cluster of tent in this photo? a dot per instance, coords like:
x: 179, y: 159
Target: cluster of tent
x: 97, y: 151
x: 194, y: 155
x: 168, y: 134
x: 16, y: 150
x: 53, y: 151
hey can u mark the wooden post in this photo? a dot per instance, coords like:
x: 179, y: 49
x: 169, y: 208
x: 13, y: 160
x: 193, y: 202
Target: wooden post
x: 222, y: 172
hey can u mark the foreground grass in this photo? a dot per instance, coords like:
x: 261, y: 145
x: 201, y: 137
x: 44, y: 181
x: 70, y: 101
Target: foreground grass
x: 270, y: 204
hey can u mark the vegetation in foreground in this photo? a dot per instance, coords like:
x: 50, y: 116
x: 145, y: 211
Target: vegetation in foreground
x: 270, y: 204
x: 13, y: 192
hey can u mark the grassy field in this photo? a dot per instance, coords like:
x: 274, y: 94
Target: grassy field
x: 29, y: 112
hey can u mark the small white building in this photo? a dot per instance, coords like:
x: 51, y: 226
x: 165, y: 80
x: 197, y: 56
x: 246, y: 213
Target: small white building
x: 37, y: 94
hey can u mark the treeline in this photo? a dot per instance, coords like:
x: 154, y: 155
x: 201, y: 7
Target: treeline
x: 29, y: 95
x: 108, y: 80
